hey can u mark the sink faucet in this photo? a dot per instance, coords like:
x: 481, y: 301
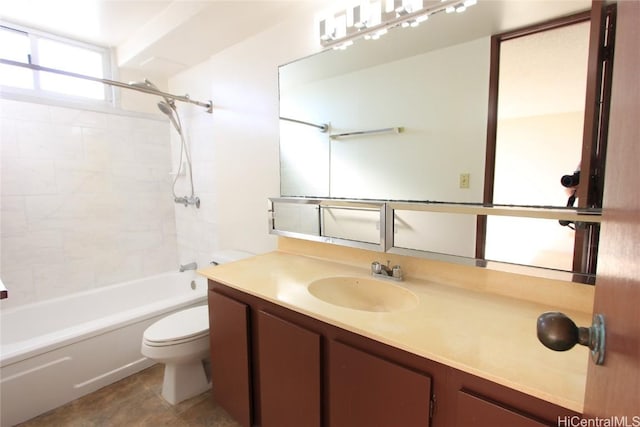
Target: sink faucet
x: 190, y: 266
x: 385, y: 271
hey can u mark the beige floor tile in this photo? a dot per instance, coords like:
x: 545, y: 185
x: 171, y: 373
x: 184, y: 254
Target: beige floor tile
x: 135, y: 401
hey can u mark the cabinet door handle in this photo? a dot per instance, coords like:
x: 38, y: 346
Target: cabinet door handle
x: 558, y: 332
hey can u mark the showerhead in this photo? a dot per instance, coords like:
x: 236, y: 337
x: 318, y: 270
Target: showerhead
x: 165, y: 108
x: 149, y: 85
x: 169, y: 110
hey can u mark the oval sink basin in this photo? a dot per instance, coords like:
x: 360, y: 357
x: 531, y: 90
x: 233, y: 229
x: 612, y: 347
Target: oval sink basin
x: 361, y: 293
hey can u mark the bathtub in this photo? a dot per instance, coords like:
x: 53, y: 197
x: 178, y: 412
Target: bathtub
x: 55, y: 351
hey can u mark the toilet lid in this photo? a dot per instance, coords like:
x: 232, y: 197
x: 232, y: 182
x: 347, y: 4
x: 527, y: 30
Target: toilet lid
x: 184, y: 324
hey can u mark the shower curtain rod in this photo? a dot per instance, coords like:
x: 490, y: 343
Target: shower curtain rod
x: 208, y: 105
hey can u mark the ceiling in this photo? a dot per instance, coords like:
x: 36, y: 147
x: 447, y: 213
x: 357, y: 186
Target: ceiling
x: 160, y: 37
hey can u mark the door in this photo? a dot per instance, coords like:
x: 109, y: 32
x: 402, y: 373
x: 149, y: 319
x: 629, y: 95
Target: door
x: 613, y: 390
x: 365, y: 390
x: 230, y: 369
x: 289, y: 373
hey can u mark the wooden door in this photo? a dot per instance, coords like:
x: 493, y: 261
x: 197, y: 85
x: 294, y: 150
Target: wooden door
x: 230, y: 368
x: 613, y: 390
x: 365, y: 390
x: 474, y: 411
x: 289, y: 373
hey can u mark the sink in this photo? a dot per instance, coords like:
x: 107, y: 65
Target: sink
x: 362, y: 293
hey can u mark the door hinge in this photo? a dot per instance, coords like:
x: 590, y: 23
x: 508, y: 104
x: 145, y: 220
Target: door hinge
x: 607, y: 53
x: 432, y: 406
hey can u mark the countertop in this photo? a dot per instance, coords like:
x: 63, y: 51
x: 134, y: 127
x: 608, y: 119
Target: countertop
x: 482, y: 333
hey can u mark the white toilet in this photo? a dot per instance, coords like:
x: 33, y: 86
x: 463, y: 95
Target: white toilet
x: 181, y: 342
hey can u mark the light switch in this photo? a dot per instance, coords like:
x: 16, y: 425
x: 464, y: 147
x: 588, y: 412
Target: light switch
x: 464, y: 180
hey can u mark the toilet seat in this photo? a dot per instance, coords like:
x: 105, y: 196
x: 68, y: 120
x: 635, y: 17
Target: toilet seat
x: 178, y: 328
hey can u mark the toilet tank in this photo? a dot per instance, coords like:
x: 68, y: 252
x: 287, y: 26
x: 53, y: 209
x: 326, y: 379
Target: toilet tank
x: 229, y: 255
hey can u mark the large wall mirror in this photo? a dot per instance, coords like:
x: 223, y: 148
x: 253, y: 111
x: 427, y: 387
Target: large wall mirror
x: 405, y: 118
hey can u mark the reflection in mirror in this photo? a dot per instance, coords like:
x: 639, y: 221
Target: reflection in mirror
x: 295, y: 218
x: 361, y: 225
x: 433, y: 81
x: 434, y: 231
x: 446, y: 233
x: 541, y: 99
x: 349, y: 223
x: 530, y: 241
x: 443, y: 124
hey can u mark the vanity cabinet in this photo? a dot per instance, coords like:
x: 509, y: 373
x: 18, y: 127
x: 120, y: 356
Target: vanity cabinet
x: 289, y: 384
x: 475, y: 411
x: 480, y: 403
x: 272, y: 366
x: 365, y: 390
x: 230, y: 363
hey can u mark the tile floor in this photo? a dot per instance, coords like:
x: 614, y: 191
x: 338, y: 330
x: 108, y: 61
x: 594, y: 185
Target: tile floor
x: 135, y: 401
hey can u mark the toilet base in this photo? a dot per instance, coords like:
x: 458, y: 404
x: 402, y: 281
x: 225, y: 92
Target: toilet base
x: 184, y: 380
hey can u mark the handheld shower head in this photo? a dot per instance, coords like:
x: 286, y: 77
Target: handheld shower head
x: 169, y: 110
x: 149, y: 85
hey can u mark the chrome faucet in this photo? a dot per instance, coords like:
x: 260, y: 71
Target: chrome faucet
x: 385, y: 271
x: 190, y: 266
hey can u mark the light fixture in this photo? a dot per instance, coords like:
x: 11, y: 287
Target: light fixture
x: 371, y: 19
x: 360, y: 17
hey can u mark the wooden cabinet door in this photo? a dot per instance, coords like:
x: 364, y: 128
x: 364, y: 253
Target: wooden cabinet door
x: 230, y: 368
x: 472, y: 411
x: 365, y: 390
x: 289, y: 371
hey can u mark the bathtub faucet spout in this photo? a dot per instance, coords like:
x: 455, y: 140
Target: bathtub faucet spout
x: 190, y: 266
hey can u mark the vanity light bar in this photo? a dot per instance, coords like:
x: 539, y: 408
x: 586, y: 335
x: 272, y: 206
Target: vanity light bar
x: 372, y: 19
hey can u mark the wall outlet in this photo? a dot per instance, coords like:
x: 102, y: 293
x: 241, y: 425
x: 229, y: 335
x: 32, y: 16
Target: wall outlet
x: 464, y: 180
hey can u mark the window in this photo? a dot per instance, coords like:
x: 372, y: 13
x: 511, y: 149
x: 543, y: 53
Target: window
x: 26, y: 46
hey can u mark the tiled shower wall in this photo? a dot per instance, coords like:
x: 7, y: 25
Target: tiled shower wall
x: 85, y: 200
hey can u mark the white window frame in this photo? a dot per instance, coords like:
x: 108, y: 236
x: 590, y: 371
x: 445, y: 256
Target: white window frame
x: 37, y: 92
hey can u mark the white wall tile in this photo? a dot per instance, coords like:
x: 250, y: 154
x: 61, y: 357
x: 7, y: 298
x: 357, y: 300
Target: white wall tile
x: 25, y: 110
x: 86, y: 200
x: 13, y: 216
x: 76, y: 117
x: 49, y: 141
x: 37, y: 176
x: 20, y: 286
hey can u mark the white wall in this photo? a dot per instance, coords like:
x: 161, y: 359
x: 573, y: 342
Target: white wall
x: 443, y: 111
x: 235, y: 149
x: 85, y: 200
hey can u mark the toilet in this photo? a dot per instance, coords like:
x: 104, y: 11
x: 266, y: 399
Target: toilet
x: 181, y: 341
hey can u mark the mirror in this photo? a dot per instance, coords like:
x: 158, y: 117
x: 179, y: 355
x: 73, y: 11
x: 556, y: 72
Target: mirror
x: 431, y: 83
x: 405, y: 118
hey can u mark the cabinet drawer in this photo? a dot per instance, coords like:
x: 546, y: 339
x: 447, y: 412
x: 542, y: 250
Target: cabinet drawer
x: 475, y: 411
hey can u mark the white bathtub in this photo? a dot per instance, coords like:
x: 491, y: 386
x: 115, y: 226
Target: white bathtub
x: 55, y: 351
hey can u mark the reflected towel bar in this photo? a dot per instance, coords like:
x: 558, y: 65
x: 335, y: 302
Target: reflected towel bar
x: 323, y: 127
x: 367, y: 132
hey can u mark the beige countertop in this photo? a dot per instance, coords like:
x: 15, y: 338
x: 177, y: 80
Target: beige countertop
x: 479, y: 332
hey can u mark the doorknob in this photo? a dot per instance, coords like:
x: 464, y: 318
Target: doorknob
x: 558, y: 332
